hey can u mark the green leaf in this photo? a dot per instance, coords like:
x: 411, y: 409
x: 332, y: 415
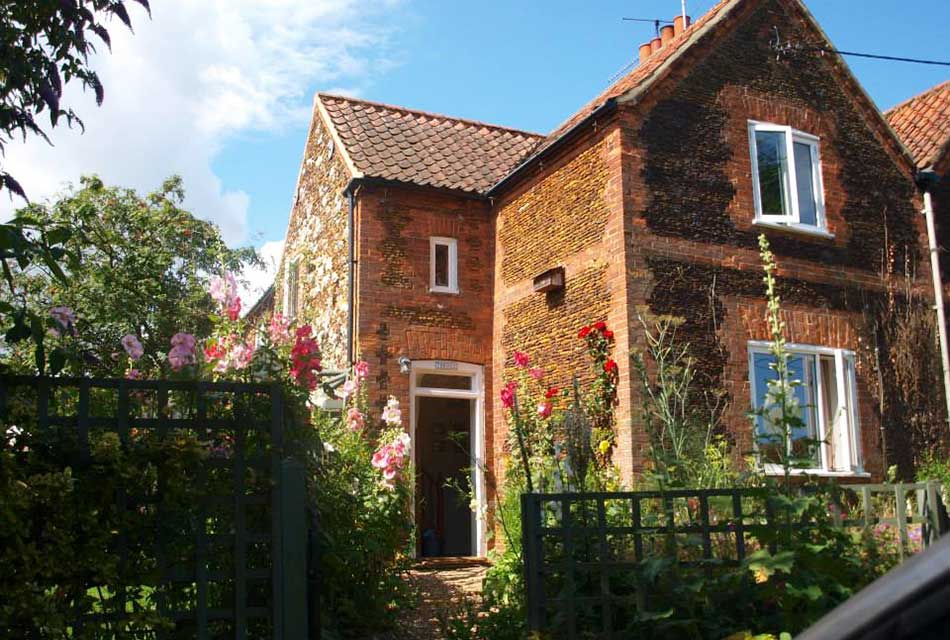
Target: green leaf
x: 765, y: 562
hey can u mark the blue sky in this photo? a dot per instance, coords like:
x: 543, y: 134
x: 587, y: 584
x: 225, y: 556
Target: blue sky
x: 220, y: 92
x: 530, y: 64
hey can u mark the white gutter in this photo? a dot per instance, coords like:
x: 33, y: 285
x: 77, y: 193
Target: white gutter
x: 938, y: 295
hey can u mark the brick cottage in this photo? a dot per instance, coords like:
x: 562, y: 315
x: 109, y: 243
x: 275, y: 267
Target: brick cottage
x: 415, y: 241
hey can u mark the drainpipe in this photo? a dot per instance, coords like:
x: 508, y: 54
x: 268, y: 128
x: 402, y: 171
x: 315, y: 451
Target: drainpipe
x: 926, y: 180
x: 351, y: 268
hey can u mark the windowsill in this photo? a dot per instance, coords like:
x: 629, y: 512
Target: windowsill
x: 797, y: 229
x: 776, y: 470
x: 448, y: 292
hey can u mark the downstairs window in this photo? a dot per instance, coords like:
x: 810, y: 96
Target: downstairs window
x: 825, y: 437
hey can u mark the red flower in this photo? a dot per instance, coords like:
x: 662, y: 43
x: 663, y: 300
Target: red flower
x: 583, y: 332
x: 610, y: 366
x: 522, y: 359
x: 550, y: 393
x: 608, y: 334
x: 600, y: 326
x: 508, y: 395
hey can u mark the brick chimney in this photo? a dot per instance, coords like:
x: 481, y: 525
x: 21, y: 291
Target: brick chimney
x: 667, y: 33
x: 679, y: 26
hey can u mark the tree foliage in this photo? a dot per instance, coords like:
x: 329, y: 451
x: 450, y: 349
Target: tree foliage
x: 138, y: 265
x: 45, y: 45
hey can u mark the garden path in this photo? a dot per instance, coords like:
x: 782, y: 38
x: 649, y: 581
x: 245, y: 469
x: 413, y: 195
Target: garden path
x: 440, y: 585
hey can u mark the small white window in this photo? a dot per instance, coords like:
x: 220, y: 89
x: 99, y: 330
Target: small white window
x: 827, y: 438
x: 443, y: 265
x: 291, y: 289
x: 786, y: 177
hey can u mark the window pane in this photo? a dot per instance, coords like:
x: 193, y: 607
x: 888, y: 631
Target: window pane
x: 836, y: 423
x: 773, y: 172
x: 801, y: 368
x: 441, y: 265
x: 442, y: 381
x: 804, y: 176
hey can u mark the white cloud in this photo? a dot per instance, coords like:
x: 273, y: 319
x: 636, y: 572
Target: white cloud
x: 257, y: 279
x: 196, y: 74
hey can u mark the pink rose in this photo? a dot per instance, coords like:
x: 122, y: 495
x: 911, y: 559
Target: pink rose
x: 521, y: 359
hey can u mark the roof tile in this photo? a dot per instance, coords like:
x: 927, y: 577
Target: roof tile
x: 394, y: 143
x: 923, y: 124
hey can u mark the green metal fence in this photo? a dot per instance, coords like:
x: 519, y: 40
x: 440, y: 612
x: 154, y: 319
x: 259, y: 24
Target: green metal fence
x: 231, y: 561
x: 581, y: 550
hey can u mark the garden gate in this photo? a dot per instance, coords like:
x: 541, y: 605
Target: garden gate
x: 582, y: 549
x: 217, y: 545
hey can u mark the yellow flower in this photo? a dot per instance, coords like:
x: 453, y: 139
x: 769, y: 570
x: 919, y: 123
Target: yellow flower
x: 761, y: 576
x: 604, y: 447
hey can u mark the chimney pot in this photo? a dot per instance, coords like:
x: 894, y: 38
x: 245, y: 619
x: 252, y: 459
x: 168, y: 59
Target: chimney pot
x: 666, y: 33
x: 656, y: 44
x: 678, y: 26
x: 645, y: 51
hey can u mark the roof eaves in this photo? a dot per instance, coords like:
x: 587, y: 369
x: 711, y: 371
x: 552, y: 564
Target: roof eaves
x: 337, y: 141
x: 374, y: 181
x: 606, y: 108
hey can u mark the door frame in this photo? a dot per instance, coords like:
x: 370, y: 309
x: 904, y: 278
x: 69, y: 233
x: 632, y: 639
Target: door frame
x: 476, y: 430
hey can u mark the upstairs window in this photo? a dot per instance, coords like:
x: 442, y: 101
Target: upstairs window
x: 786, y: 177
x: 826, y: 436
x: 443, y: 265
x: 291, y: 287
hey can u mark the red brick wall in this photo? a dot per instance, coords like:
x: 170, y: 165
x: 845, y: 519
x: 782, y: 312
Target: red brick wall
x: 396, y: 315
x: 689, y: 208
x: 568, y: 214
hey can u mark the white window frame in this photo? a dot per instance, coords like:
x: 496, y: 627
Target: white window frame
x: 452, y: 244
x: 291, y: 287
x: 477, y: 433
x: 790, y: 219
x: 847, y: 443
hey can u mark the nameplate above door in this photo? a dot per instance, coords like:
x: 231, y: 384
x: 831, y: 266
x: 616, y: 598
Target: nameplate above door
x: 442, y: 365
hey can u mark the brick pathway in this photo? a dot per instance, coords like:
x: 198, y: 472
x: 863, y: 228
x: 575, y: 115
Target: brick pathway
x: 440, y: 584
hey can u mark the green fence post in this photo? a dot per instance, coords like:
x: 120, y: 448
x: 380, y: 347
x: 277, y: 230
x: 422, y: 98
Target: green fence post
x: 293, y: 552
x: 530, y: 520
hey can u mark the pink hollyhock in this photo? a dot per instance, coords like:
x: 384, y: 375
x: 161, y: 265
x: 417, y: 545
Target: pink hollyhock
x: 223, y: 289
x: 361, y: 369
x: 185, y: 340
x: 182, y: 353
x: 508, y: 394
x: 241, y: 355
x: 537, y: 373
x: 349, y: 388
x: 521, y: 359
x: 234, y: 309
x: 132, y: 346
x: 279, y: 329
x: 391, y: 413
x: 544, y: 409
x: 305, y: 360
x: 355, y: 419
